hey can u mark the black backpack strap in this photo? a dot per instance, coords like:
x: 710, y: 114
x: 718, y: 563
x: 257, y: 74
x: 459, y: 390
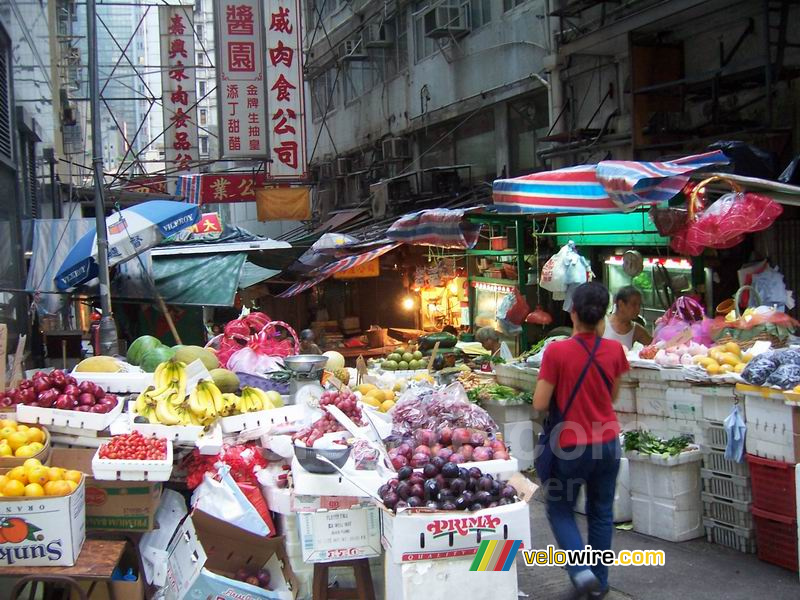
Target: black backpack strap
x: 600, y: 370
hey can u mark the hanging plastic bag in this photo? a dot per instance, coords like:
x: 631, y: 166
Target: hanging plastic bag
x: 725, y: 222
x: 685, y: 313
x: 554, y: 277
x: 736, y: 429
x: 220, y: 497
x: 513, y: 308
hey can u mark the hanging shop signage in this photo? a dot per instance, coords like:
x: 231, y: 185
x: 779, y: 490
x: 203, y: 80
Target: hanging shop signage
x: 223, y: 188
x: 285, y: 90
x: 178, y: 96
x: 370, y: 268
x: 240, y: 79
x: 146, y: 185
x: 209, y: 224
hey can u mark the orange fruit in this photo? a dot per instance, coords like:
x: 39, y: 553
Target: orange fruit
x: 32, y: 462
x: 72, y: 475
x: 18, y: 474
x: 55, y: 473
x: 35, y: 435
x: 23, y: 428
x: 57, y: 488
x: 5, y: 450
x: 8, y: 423
x: 34, y: 490
x: 17, y: 440
x: 37, y: 446
x: 26, y: 451
x: 37, y: 475
x: 14, y: 488
x: 5, y: 432
x: 72, y: 486
x: 3, y: 480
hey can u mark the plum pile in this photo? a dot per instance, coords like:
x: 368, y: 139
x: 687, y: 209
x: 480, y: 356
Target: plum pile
x: 346, y: 401
x: 253, y: 576
x: 445, y: 486
x: 59, y: 390
x: 457, y: 446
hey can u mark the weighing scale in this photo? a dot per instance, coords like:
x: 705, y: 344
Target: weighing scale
x: 306, y: 373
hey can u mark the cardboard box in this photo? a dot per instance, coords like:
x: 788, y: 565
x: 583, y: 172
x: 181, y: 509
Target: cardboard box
x: 112, y: 505
x: 121, y: 589
x: 205, y: 554
x: 421, y: 534
x: 331, y: 535
x: 47, y: 531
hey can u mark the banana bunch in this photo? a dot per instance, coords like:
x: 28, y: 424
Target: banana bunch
x: 163, y: 405
x: 251, y: 400
x: 171, y: 372
x: 206, y: 403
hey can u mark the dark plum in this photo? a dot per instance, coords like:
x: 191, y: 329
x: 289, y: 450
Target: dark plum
x: 496, y: 488
x: 414, y: 502
x: 463, y: 473
x: 438, y: 462
x: 417, y: 491
x: 432, y: 504
x: 472, y: 485
x: 383, y: 490
x: 404, y: 473
x: 457, y: 459
x: 504, y: 501
x: 492, y: 505
x: 391, y: 500
x: 416, y: 478
x: 450, y: 470
x: 445, y: 496
x: 483, y: 498
x: 401, y: 504
x: 485, y: 484
x: 461, y: 503
x: 449, y: 506
x: 430, y: 471
x: 441, y: 480
x: 404, y: 490
x: 475, y: 473
x: 431, y: 489
x: 508, y: 492
x: 393, y: 483
x: 475, y: 507
x: 458, y: 486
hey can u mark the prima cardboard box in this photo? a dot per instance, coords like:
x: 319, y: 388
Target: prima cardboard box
x: 205, y: 553
x: 422, y: 534
x: 46, y: 531
x: 331, y: 535
x: 112, y: 505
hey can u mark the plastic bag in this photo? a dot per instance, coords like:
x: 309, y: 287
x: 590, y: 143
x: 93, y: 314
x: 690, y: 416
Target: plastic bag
x: 725, y: 222
x: 220, y: 497
x: 513, y: 308
x: 553, y: 277
x: 785, y: 377
x: 365, y: 456
x: 760, y: 368
x: 685, y: 313
x: 736, y: 430
x: 788, y: 357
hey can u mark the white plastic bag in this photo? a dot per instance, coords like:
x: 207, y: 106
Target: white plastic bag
x: 220, y: 497
x: 153, y: 546
x: 553, y: 277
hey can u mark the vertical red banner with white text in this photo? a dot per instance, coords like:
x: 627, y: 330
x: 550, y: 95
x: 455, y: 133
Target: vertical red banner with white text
x: 285, y: 91
x: 240, y: 79
x: 178, y: 88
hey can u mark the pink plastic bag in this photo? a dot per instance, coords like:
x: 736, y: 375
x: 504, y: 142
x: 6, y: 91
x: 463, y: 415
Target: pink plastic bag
x: 685, y: 313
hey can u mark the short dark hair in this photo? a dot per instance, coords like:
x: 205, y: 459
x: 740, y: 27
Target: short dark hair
x: 624, y: 294
x: 450, y: 329
x: 590, y: 302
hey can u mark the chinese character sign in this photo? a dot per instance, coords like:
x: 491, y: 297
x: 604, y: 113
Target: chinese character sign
x: 286, y: 114
x: 179, y: 97
x: 240, y: 79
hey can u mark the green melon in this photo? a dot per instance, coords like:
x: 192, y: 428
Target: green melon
x: 226, y: 381
x: 189, y: 354
x: 140, y: 347
x: 155, y: 357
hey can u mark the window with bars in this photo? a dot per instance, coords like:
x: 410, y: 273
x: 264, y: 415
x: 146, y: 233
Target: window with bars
x: 481, y: 13
x: 509, y: 4
x: 6, y: 143
x: 324, y: 94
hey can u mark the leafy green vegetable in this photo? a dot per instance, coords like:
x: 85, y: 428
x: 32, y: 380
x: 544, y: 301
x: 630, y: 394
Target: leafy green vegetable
x: 647, y: 443
x: 498, y: 393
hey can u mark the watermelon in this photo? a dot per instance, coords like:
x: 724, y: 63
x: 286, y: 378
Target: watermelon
x: 155, y: 357
x: 140, y: 347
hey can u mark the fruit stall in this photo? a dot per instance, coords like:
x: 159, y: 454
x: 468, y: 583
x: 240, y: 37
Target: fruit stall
x: 245, y: 470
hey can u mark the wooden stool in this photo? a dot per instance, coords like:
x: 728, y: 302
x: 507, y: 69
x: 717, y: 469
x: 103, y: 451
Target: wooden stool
x: 363, y: 590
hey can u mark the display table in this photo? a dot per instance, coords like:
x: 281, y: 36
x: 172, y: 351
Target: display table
x: 96, y: 563
x: 351, y: 354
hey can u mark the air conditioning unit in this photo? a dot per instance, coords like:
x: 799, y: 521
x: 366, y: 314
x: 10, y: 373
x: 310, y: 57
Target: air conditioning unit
x: 342, y: 166
x: 352, y: 50
x: 377, y: 35
x: 448, y: 19
x: 326, y: 170
x: 380, y: 199
x: 395, y: 148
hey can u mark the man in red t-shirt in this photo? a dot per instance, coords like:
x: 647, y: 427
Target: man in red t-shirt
x: 581, y: 377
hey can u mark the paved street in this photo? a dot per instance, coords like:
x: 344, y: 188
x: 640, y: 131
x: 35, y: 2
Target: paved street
x: 693, y: 570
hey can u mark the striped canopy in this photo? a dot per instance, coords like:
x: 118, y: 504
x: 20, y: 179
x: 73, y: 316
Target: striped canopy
x: 441, y: 227
x: 322, y: 273
x: 607, y: 187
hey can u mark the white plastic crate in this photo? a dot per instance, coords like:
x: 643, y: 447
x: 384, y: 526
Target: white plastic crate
x: 725, y: 485
x: 730, y: 536
x: 518, y: 437
x: 781, y: 447
x: 660, y: 401
x: 623, y: 512
x: 718, y: 401
x: 508, y: 413
x: 713, y: 435
x: 771, y: 416
x: 725, y: 510
x: 627, y: 421
x: 262, y: 418
x: 626, y: 399
x: 69, y: 418
x: 106, y: 469
x: 522, y: 378
x: 668, y: 427
x: 663, y: 519
x: 651, y: 399
x: 714, y: 460
x: 117, y: 383
x: 672, y: 481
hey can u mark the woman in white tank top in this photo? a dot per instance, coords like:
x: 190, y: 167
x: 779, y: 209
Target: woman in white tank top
x: 620, y: 326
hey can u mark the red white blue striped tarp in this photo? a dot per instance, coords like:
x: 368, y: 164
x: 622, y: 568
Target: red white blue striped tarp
x: 188, y: 188
x: 338, y: 266
x: 441, y: 227
x: 609, y: 186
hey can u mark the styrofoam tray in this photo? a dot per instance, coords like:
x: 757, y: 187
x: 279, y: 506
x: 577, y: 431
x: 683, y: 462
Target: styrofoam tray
x: 118, y: 383
x: 106, y: 469
x: 68, y: 418
x: 492, y: 467
x: 208, y: 442
x: 262, y: 418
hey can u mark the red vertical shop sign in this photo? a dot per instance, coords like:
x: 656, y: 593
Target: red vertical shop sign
x: 286, y: 113
x: 241, y: 95
x: 178, y: 85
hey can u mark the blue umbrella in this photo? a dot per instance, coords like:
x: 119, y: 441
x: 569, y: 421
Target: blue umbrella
x: 130, y: 232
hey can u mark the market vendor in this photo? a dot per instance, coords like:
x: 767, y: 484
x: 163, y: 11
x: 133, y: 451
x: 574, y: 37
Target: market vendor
x: 308, y: 344
x: 490, y: 340
x: 621, y: 325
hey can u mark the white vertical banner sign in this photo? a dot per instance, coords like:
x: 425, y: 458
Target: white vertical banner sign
x: 241, y: 91
x: 178, y: 88
x: 285, y: 90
